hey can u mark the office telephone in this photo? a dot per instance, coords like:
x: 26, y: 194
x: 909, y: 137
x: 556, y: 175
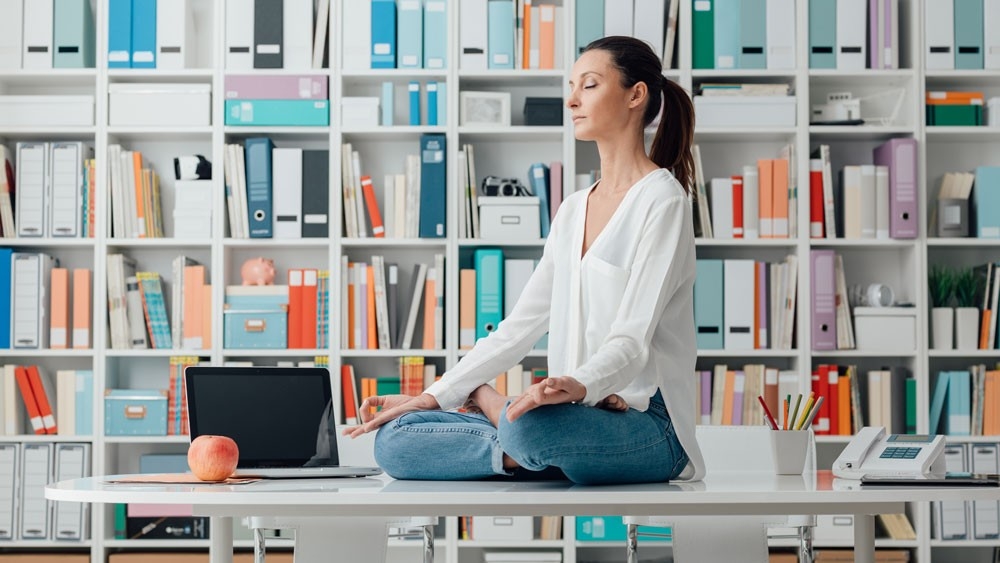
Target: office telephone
x: 873, y: 452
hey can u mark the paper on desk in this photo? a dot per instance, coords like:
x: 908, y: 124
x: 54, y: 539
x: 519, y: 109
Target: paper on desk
x: 179, y: 478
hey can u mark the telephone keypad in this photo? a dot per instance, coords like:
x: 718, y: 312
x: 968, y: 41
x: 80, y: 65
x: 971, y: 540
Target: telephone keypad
x: 900, y: 453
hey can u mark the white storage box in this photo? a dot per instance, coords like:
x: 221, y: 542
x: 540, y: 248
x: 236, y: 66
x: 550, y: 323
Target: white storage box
x: 744, y: 111
x: 359, y: 113
x: 509, y: 218
x: 886, y: 329
x: 516, y: 528
x: 993, y: 112
x: 834, y: 528
x: 165, y: 105
x: 46, y: 111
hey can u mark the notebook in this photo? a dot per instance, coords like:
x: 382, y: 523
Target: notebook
x: 281, y: 418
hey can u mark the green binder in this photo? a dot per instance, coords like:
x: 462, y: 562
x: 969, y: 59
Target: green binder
x: 703, y: 34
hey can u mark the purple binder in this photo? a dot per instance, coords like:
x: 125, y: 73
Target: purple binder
x: 275, y: 87
x: 824, y: 299
x: 900, y: 155
x: 874, y: 51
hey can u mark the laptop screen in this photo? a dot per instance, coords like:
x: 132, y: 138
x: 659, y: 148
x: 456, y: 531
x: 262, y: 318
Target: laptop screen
x: 279, y: 417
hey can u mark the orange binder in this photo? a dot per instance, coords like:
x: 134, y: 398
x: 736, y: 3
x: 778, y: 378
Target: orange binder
x: 81, y: 308
x: 295, y: 308
x: 378, y: 229
x: 140, y: 200
x: 59, y: 309
x: 194, y: 281
x: 348, y: 395
x: 526, y: 36
x: 765, y: 197
x: 779, y: 209
x: 728, y: 396
x: 310, y: 280
x: 547, y: 36
x: 44, y: 392
x: 737, y: 206
x: 430, y: 302
x: 30, y: 405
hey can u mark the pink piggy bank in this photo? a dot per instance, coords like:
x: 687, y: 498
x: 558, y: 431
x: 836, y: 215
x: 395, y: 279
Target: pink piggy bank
x: 258, y: 271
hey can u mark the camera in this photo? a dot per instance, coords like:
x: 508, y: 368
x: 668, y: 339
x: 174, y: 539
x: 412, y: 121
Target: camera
x: 496, y: 186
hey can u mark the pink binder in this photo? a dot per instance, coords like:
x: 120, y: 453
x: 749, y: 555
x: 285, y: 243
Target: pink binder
x: 824, y: 299
x: 276, y: 87
x: 900, y: 155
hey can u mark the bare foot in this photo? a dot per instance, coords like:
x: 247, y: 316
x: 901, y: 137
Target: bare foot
x: 488, y: 401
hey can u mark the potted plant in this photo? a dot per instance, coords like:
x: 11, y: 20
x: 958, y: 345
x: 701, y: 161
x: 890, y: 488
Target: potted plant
x: 941, y: 283
x: 968, y: 291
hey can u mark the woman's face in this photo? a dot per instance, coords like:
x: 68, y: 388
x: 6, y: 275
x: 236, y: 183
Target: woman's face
x: 599, y: 104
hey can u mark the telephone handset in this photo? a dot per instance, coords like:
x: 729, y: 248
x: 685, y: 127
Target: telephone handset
x: 874, y: 452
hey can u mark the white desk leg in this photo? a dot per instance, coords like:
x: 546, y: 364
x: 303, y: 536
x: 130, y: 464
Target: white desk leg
x: 220, y: 549
x: 864, y: 538
x: 358, y: 540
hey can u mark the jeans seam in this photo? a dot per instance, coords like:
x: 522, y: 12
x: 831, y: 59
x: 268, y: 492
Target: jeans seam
x: 415, y: 430
x: 554, y: 453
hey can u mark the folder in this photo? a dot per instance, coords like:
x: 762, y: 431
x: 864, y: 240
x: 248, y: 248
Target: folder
x: 30, y: 197
x: 297, y: 35
x: 867, y: 198
x: 11, y: 34
x: 751, y: 203
x: 432, y: 103
x: 35, y: 474
x: 959, y: 403
x: 648, y: 20
x: 950, y: 518
x: 175, y: 35
x: 30, y: 275
x: 900, y: 155
x: 120, y: 33
x: 239, y: 34
x: 986, y: 199
x: 37, y: 35
x: 969, y: 25
x: 268, y: 34
x: 722, y: 207
x: 357, y: 30
x: 753, y: 34
x: 315, y: 193
x: 59, y: 309
x: 73, y: 35
x: 383, y: 36
x: 259, y: 187
x: 392, y: 303
x: 410, y: 34
x: 939, y: 34
x: 538, y: 178
x: 780, y: 32
x: 851, y: 35
x: 709, y: 304
x: 882, y: 202
x: 433, y: 192
x: 417, y: 282
x: 295, y: 308
x: 823, y: 34
x: 371, y: 203
x: 193, y: 309
x: 9, y: 470
x: 991, y: 36
x: 144, y: 33
x: 473, y: 32
x: 310, y: 288
x: 549, y: 36
x: 28, y: 400
x: 489, y: 290
x: 435, y: 33
x: 738, y: 296
x: 590, y: 23
x: 500, y: 37
x: 67, y: 179
x: 823, y: 299
x: 71, y: 520
x: 727, y: 33
x: 517, y: 272
x: 286, y: 180
x: 467, y: 308
x: 890, y: 34
x: 81, y: 307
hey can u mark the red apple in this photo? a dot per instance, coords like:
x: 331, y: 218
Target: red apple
x: 213, y: 458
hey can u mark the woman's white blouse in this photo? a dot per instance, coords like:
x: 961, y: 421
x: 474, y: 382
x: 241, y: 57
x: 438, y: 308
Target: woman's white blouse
x: 620, y: 319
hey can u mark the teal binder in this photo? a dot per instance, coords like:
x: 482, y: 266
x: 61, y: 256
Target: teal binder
x: 119, y: 33
x: 410, y: 34
x: 937, y: 402
x: 959, y: 403
x: 435, y: 34
x: 500, y: 38
x: 986, y: 198
x: 822, y: 33
x: 589, y: 22
x: 489, y: 290
x: 278, y: 112
x: 708, y: 304
x: 969, y: 34
x: 383, y: 33
x: 753, y: 34
x: 727, y: 33
x: 73, y: 34
x: 703, y: 32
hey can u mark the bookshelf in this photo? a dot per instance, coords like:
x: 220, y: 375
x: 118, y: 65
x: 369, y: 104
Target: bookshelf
x: 507, y: 152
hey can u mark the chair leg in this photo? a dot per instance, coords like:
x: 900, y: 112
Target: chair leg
x: 428, y: 532
x: 632, y: 544
x: 259, y: 548
x: 806, y: 544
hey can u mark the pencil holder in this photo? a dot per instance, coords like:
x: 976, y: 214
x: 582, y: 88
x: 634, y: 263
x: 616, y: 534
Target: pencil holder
x: 788, y: 450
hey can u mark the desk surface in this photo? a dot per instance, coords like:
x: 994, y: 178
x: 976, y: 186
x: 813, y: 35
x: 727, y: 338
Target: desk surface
x: 731, y: 493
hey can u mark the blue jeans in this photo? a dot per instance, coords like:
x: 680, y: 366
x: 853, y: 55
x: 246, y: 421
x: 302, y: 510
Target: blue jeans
x: 589, y: 445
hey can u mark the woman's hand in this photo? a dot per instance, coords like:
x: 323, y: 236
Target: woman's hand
x: 392, y: 407
x: 551, y: 391
x: 613, y: 403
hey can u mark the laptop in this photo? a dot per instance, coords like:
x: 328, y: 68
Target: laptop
x: 281, y: 418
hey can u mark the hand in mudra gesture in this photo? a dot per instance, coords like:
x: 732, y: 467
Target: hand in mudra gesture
x: 392, y: 407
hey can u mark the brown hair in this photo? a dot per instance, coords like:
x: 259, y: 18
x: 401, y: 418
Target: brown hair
x: 637, y: 62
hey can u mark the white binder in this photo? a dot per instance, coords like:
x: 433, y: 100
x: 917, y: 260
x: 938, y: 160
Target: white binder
x: 38, y: 18
x: 950, y: 516
x: 71, y: 520
x: 738, y: 277
x: 780, y: 34
x: 297, y: 35
x: 10, y: 34
x: 751, y: 202
x: 869, y: 205
x: 175, y: 35
x: 985, y: 513
x: 882, y: 202
x: 473, y: 34
x: 66, y: 178
x: 722, y: 207
x: 618, y: 18
x: 30, y: 273
x: 648, y: 22
x: 939, y: 34
x: 32, y: 176
x: 9, y: 465
x: 36, y: 472
x: 516, y: 272
x: 357, y: 30
x: 239, y: 34
x: 286, y: 179
x: 852, y: 53
x: 991, y: 35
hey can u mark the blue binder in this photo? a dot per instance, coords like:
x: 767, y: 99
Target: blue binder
x: 433, y: 171
x: 432, y: 103
x: 84, y: 402
x: 727, y: 33
x: 119, y: 33
x: 383, y: 33
x: 144, y: 33
x: 589, y: 23
x: 753, y: 34
x: 708, y: 304
x: 489, y: 290
x: 73, y: 34
x: 388, y: 104
x: 410, y: 34
x: 6, y: 254
x: 500, y: 38
x: 968, y: 22
x: 822, y: 33
x: 435, y: 34
x: 259, y: 188
x: 538, y: 177
x: 959, y: 403
x: 414, y: 98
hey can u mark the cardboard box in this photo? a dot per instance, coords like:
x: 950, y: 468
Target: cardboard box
x: 135, y: 412
x: 46, y: 111
x: 745, y: 111
x: 506, y: 219
x: 159, y: 104
x: 886, y: 329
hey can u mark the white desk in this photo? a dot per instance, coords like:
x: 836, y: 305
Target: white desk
x: 354, y: 499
